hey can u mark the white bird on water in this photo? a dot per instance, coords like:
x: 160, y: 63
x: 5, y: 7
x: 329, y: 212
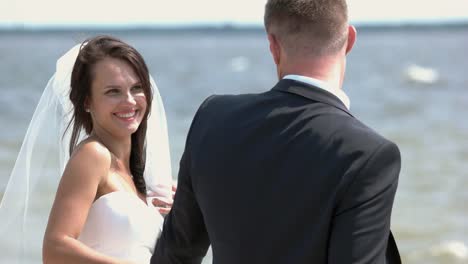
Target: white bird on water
x: 239, y: 64
x: 456, y: 249
x: 421, y: 74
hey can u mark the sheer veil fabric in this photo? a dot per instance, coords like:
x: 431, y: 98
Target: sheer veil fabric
x: 30, y: 191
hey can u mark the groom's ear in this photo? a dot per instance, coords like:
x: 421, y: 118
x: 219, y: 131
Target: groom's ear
x: 352, y: 33
x: 275, y: 48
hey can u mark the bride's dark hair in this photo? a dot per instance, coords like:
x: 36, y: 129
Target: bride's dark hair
x: 91, y: 52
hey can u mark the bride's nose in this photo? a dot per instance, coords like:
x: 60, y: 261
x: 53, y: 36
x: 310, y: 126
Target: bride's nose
x: 129, y: 98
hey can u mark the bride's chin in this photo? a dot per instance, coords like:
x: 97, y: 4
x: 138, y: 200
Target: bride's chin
x: 131, y: 130
x: 123, y: 133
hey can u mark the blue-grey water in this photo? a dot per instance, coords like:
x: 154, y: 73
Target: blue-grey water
x: 426, y: 116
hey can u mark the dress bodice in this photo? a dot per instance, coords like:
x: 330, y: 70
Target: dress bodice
x: 121, y: 225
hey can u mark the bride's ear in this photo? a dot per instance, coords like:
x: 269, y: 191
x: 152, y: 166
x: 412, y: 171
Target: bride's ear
x: 86, y: 105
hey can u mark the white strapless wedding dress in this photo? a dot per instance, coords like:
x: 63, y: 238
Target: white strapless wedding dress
x: 121, y: 225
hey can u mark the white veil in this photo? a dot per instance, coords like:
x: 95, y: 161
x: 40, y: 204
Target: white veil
x: 31, y: 188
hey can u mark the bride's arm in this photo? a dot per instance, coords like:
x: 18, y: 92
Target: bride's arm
x: 85, y: 170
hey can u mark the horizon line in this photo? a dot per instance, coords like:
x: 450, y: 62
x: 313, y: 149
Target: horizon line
x: 216, y: 25
x: 4, y: 24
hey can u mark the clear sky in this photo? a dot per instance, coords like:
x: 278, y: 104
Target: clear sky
x: 86, y: 12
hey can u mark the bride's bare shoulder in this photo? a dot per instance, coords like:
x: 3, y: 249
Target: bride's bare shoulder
x: 92, y: 152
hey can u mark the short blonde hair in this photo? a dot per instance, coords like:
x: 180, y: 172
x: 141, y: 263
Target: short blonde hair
x: 319, y: 26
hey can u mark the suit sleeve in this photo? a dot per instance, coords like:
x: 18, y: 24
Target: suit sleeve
x: 361, y: 224
x: 184, y: 239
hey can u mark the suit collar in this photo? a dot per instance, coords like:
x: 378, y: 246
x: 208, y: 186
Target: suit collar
x: 311, y: 92
x: 336, y: 91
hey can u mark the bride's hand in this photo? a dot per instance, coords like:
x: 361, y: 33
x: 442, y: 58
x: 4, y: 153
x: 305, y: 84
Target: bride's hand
x: 164, y: 207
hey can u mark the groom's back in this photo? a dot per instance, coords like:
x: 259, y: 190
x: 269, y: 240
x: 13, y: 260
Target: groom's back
x: 286, y: 176
x: 253, y: 175
x: 268, y: 172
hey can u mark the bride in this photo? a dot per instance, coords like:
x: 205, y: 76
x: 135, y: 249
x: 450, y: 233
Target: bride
x: 103, y: 210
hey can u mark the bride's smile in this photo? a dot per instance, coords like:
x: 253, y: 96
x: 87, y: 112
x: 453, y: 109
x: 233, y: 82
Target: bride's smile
x: 128, y: 116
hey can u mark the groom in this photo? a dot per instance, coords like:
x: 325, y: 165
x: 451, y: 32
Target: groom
x: 288, y: 176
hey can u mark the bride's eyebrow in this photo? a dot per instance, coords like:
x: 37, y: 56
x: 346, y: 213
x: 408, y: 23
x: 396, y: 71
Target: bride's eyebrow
x: 112, y: 86
x: 116, y: 86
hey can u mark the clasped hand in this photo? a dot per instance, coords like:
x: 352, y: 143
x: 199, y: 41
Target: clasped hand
x: 164, y: 206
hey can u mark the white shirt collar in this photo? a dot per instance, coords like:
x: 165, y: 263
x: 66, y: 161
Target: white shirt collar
x: 323, y: 85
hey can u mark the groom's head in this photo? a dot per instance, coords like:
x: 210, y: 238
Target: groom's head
x: 316, y: 26
x: 299, y: 29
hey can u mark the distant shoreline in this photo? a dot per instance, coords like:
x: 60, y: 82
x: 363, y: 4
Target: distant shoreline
x: 221, y: 28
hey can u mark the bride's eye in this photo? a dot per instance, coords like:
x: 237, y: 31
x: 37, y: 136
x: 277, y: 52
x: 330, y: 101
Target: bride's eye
x: 137, y: 88
x: 112, y: 91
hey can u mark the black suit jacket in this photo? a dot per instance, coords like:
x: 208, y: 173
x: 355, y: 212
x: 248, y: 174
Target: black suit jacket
x: 288, y: 176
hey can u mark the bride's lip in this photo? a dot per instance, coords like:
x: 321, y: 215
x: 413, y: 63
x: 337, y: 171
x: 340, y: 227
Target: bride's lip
x: 127, y: 115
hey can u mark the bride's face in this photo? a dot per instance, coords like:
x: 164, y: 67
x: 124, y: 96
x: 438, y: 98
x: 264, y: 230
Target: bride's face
x: 117, y: 103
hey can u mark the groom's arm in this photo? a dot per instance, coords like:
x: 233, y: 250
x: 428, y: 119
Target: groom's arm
x: 184, y: 239
x: 361, y: 225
